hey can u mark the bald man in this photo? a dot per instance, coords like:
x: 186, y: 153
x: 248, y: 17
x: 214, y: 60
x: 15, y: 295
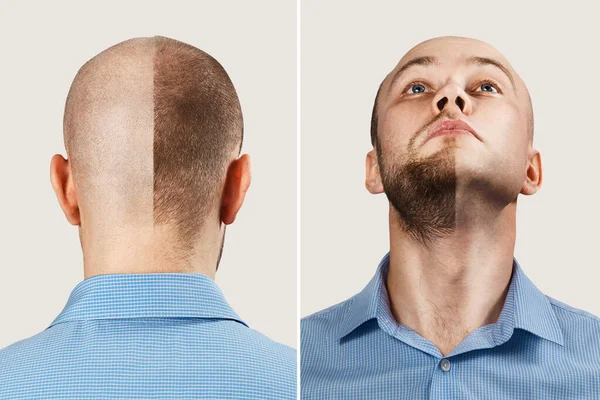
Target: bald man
x: 450, y: 313
x: 153, y: 132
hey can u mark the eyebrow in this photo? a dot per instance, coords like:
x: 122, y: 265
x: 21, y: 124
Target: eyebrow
x: 482, y: 61
x: 429, y: 60
x: 425, y: 60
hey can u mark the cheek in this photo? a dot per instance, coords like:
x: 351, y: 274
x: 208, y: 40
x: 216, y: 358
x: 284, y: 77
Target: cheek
x: 516, y: 128
x: 508, y: 134
x: 400, y: 123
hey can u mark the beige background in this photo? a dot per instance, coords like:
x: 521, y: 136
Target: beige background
x: 43, y: 45
x: 348, y: 48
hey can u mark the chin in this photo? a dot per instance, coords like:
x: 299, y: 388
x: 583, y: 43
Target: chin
x: 438, y: 151
x: 468, y: 164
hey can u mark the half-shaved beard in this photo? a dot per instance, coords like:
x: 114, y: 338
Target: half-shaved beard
x: 423, y: 193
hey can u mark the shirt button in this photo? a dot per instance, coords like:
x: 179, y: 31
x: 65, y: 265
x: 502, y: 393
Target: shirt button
x: 445, y: 365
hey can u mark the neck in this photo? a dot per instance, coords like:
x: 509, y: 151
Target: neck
x: 145, y: 250
x: 457, y: 282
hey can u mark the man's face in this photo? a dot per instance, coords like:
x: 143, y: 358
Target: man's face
x: 453, y: 79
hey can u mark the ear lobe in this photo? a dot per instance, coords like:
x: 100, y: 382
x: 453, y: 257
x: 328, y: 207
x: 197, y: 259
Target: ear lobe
x: 237, y: 183
x: 373, y: 176
x: 533, y: 178
x: 61, y: 179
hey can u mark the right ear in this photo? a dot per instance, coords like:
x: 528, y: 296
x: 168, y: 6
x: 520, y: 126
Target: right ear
x: 237, y: 183
x: 373, y: 176
x: 61, y: 178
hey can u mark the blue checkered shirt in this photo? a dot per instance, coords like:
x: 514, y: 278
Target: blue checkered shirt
x: 147, y: 336
x: 540, y: 348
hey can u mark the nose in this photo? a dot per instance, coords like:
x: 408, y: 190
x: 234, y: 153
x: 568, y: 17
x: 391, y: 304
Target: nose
x: 450, y: 98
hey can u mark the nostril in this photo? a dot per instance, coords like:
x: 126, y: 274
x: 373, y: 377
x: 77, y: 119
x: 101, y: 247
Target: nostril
x: 460, y: 103
x: 442, y: 103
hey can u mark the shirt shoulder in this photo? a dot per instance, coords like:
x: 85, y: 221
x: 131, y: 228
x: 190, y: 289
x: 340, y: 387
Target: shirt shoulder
x: 284, y: 353
x: 571, y: 312
x: 219, y: 353
x: 322, y: 325
x: 21, y: 346
x: 581, y: 329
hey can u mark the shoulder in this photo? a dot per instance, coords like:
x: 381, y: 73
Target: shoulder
x: 574, y: 314
x: 328, y: 316
x: 323, y: 325
x: 241, y: 357
x: 581, y: 329
x: 19, y: 358
x: 257, y: 355
x: 24, y: 346
x: 258, y: 341
x: 256, y: 362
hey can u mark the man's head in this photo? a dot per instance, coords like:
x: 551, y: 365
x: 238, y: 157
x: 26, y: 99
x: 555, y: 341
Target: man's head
x: 427, y: 179
x: 153, y: 128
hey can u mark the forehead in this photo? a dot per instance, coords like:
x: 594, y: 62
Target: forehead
x: 452, y: 51
x: 449, y: 48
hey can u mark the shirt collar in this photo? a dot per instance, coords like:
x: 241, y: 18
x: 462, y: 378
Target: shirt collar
x: 149, y: 295
x: 525, y: 307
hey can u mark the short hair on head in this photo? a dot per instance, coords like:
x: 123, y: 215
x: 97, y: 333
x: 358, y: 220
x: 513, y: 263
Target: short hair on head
x: 374, y: 119
x: 198, y: 125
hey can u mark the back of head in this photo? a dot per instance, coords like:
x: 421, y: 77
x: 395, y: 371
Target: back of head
x: 150, y: 127
x: 197, y: 131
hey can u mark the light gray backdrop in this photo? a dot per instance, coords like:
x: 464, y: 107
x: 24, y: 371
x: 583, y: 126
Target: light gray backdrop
x: 43, y: 45
x: 349, y: 47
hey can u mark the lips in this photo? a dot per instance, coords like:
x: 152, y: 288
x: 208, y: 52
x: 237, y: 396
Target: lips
x: 448, y: 126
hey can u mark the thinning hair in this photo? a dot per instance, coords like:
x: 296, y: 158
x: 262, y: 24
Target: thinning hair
x: 197, y: 125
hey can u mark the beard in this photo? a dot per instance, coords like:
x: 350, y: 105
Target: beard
x: 422, y: 192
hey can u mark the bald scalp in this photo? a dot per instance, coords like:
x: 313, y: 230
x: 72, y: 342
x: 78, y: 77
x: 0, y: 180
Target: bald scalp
x: 108, y: 129
x: 150, y: 127
x: 521, y: 86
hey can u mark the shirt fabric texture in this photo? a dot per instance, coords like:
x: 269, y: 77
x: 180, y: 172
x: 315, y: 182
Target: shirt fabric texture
x: 540, y: 348
x: 147, y: 336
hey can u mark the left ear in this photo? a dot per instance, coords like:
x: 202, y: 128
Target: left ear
x: 237, y: 183
x: 61, y: 178
x: 533, y: 179
x: 373, y: 181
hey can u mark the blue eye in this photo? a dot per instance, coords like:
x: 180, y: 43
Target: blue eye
x: 418, y: 87
x: 487, y: 87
